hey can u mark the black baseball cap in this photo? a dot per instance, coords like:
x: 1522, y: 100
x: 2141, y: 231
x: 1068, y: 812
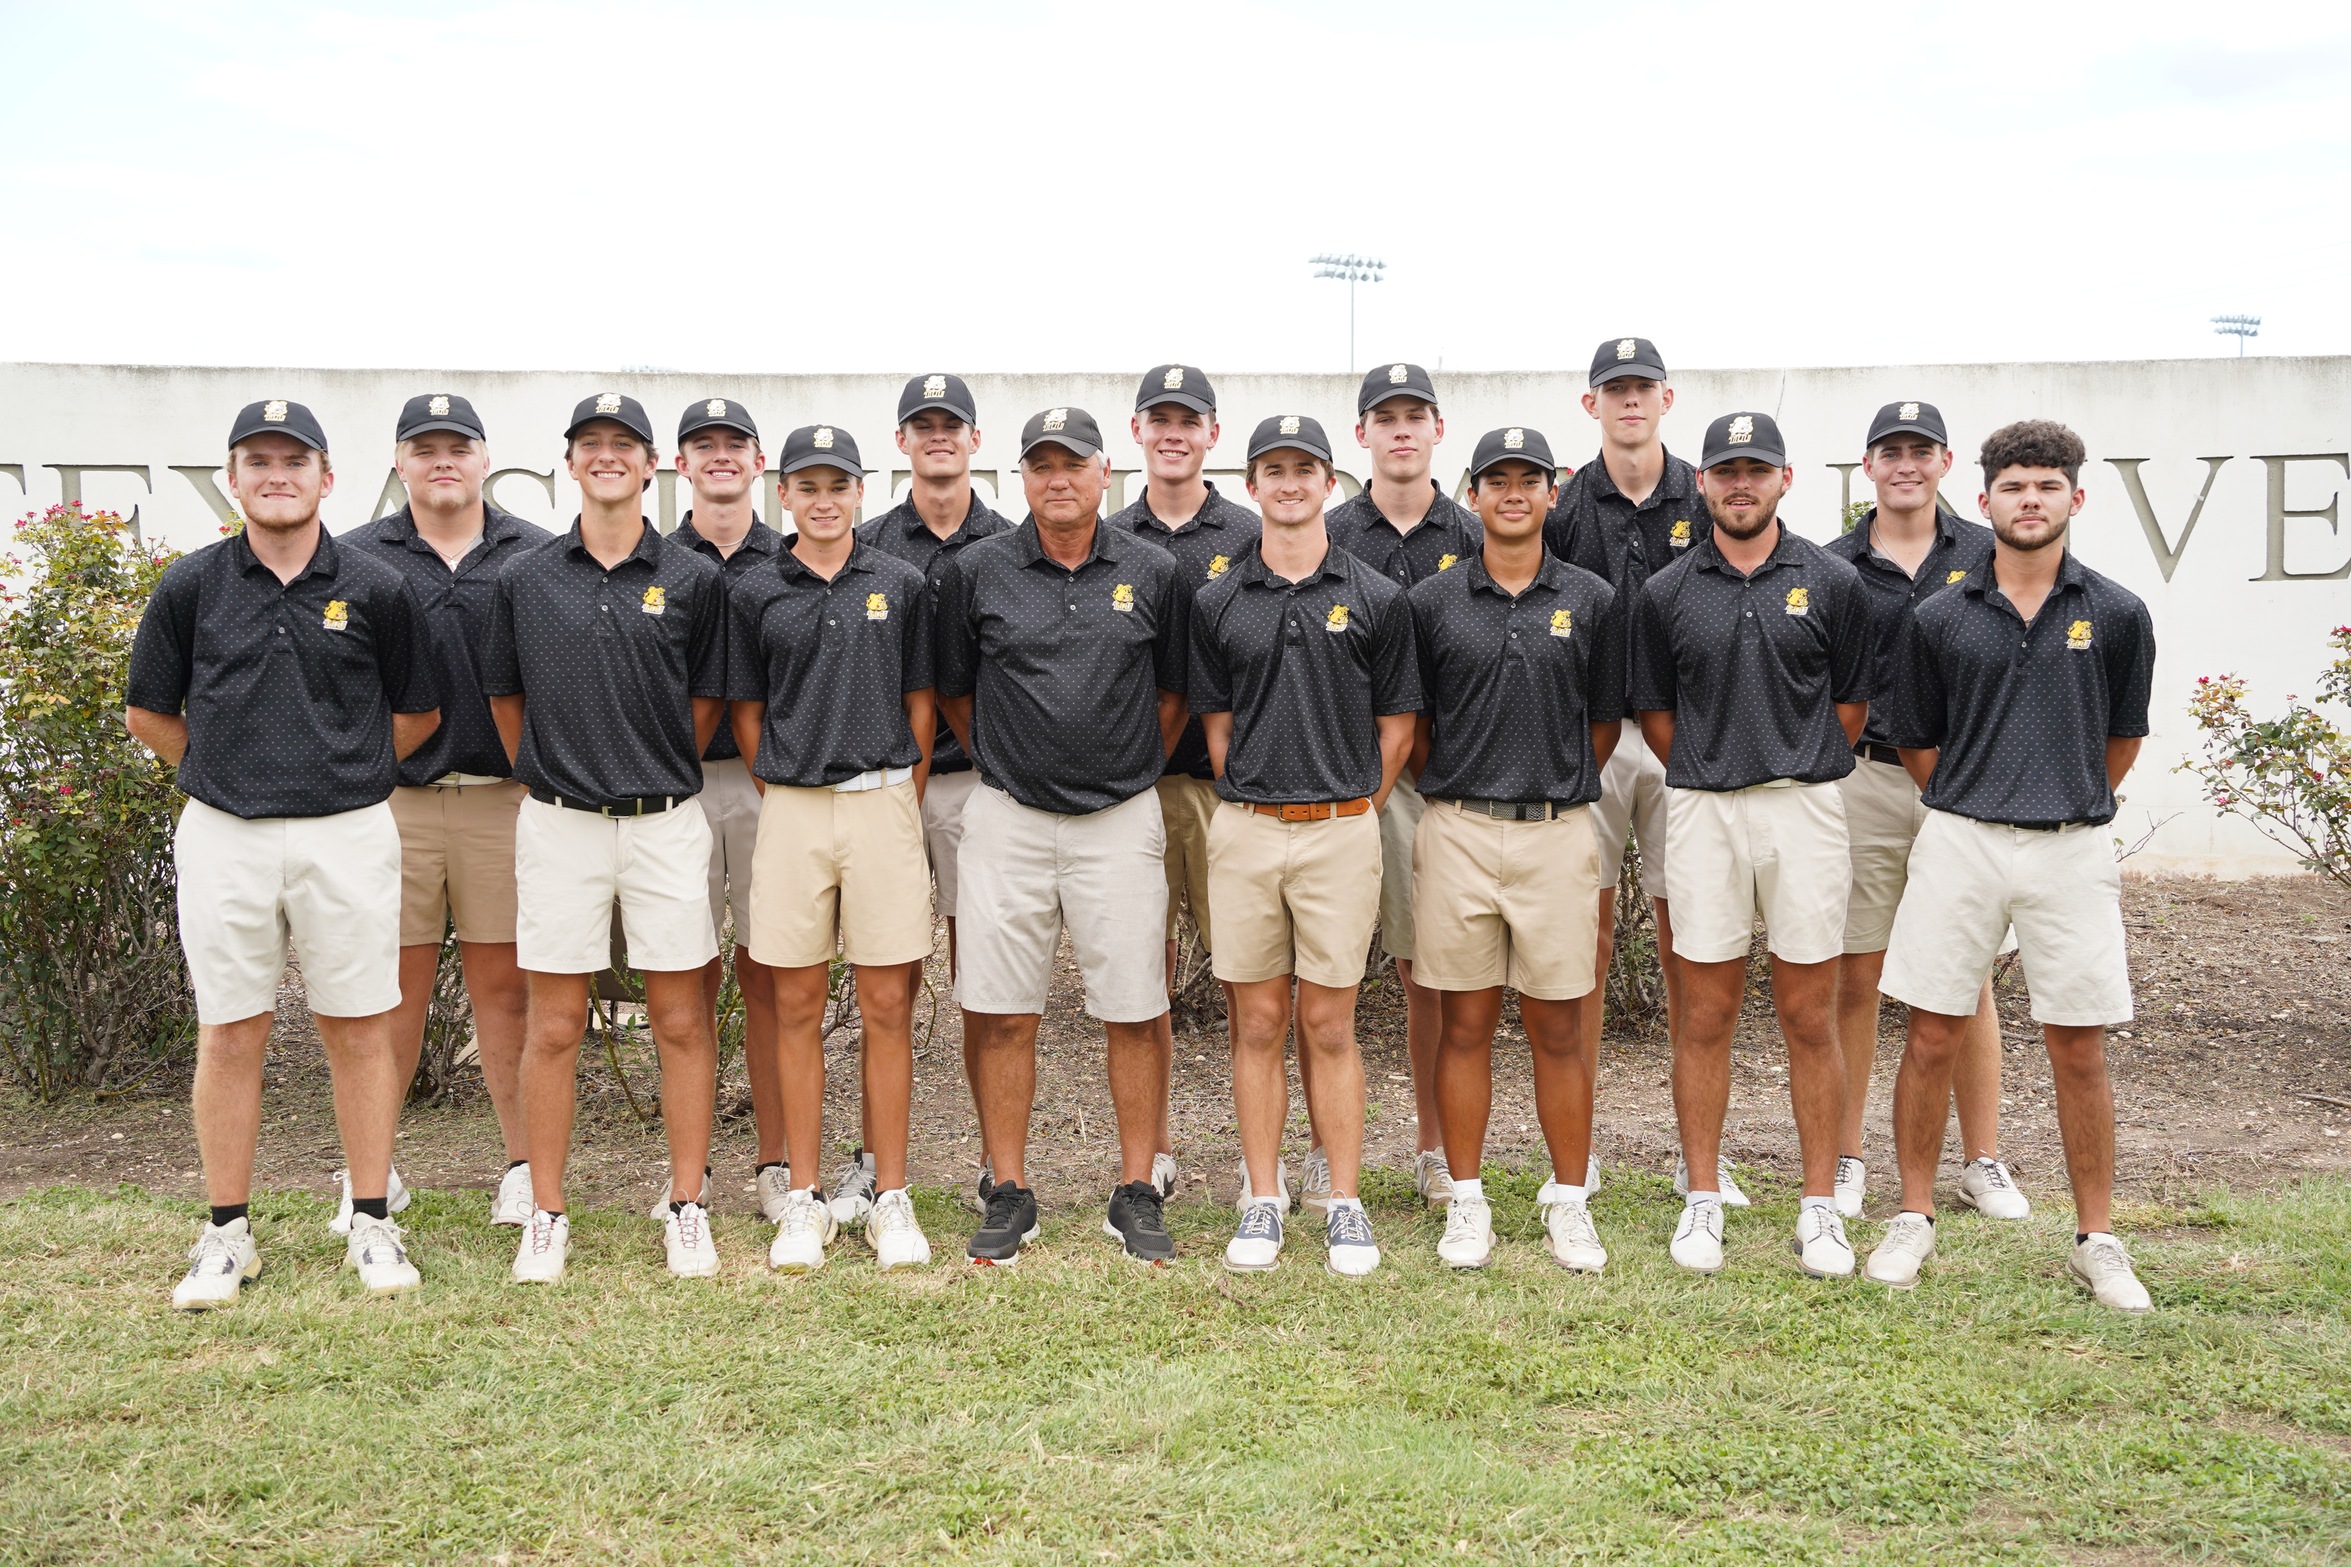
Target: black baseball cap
x: 278, y: 417
x: 1744, y: 435
x: 1297, y: 432
x: 716, y: 412
x: 1384, y: 382
x: 1514, y: 443
x: 1073, y: 429
x: 937, y: 390
x: 1908, y: 419
x: 618, y: 407
x: 1622, y: 356
x: 1182, y: 384
x: 429, y: 411
x: 820, y: 446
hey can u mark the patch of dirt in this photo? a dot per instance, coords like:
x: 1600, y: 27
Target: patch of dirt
x: 2238, y: 1069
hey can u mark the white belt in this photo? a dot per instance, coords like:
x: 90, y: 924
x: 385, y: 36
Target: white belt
x: 466, y: 780
x: 1777, y: 783
x: 878, y: 778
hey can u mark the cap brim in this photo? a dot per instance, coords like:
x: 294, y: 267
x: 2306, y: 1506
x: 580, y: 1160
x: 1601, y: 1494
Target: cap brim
x: 1198, y: 405
x: 967, y: 415
x: 1621, y: 372
x: 637, y: 430
x: 717, y: 424
x: 1762, y: 454
x: 430, y: 425
x: 1290, y: 445
x: 1936, y: 436
x: 1068, y: 443
x: 1493, y: 463
x: 822, y: 460
x: 239, y: 436
x: 1417, y: 394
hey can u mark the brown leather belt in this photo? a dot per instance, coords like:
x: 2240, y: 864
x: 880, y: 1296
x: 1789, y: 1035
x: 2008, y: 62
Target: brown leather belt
x: 1320, y: 811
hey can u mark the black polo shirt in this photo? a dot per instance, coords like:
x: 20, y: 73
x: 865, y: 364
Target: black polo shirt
x: 900, y: 531
x: 1596, y: 527
x: 1892, y: 593
x: 1206, y: 548
x: 1449, y: 533
x: 759, y: 547
x: 457, y: 607
x: 1753, y: 668
x: 2021, y: 713
x: 607, y: 663
x: 1064, y: 668
x: 1514, y: 685
x: 833, y: 661
x: 1305, y: 668
x: 289, y: 689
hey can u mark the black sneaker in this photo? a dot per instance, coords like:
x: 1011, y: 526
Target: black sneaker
x: 1011, y: 1223
x: 1136, y: 1223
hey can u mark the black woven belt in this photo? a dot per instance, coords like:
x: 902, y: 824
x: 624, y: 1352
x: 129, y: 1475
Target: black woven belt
x: 642, y: 805
x: 1875, y: 752
x: 1513, y: 810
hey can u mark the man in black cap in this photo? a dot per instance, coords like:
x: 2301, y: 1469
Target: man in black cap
x: 1181, y: 512
x: 284, y: 676
x: 1407, y: 529
x: 1907, y: 547
x: 457, y: 797
x: 1631, y: 511
x: 720, y: 458
x: 1303, y: 674
x: 1751, y: 670
x: 1522, y: 671
x: 606, y: 670
x: 1061, y: 666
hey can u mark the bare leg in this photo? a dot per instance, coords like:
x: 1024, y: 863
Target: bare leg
x: 1563, y: 1083
x: 368, y: 1092
x: 1164, y: 1034
x: 1922, y: 1102
x: 1465, y: 1075
x: 1804, y: 995
x: 1670, y: 966
x: 689, y: 1073
x: 1593, y: 1003
x: 1326, y: 1034
x: 889, y: 1069
x: 1975, y: 1080
x: 1000, y: 1060
x: 1138, y: 1092
x: 1424, y: 1025
x: 1702, y: 1063
x: 797, y: 1062
x: 2085, y: 1118
x: 757, y: 983
x: 494, y: 983
x: 226, y: 1104
x: 1260, y: 1020
x: 550, y: 1065
x: 1857, y: 1038
x: 420, y: 965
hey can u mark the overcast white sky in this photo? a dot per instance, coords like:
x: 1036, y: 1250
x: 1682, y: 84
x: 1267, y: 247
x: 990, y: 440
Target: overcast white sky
x: 1087, y: 186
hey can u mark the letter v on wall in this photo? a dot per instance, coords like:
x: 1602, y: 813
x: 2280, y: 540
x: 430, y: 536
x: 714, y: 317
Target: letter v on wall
x: 2167, y: 554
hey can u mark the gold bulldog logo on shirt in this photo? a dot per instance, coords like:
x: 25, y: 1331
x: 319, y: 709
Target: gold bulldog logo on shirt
x: 1562, y: 623
x: 877, y: 606
x: 1336, y: 620
x: 1219, y: 566
x: 2077, y: 635
x: 1799, y: 601
x: 1954, y: 575
x: 656, y: 601
x: 1447, y: 561
x: 338, y: 616
x: 1122, y: 598
x: 1680, y: 537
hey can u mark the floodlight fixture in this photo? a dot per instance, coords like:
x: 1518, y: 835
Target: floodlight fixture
x: 1350, y: 269
x: 2238, y: 327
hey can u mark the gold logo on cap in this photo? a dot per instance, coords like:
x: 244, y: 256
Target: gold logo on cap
x: 716, y: 408
x: 609, y: 403
x: 1562, y: 623
x: 1055, y: 418
x: 822, y: 440
x: 1742, y: 430
x: 1626, y: 347
x: 1907, y: 411
x: 1173, y: 381
x: 1399, y: 374
x: 1513, y: 439
x: 1336, y: 620
x: 438, y: 407
x: 2077, y: 635
x: 1289, y: 424
x: 934, y: 386
x: 274, y: 411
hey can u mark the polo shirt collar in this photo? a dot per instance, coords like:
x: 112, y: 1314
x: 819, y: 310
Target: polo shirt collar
x: 2071, y: 573
x: 1946, y: 530
x: 1550, y: 574
x: 1210, y: 515
x: 648, y: 547
x: 791, y: 566
x: 761, y: 540
x: 322, y: 560
x: 1675, y: 483
x: 1107, y: 545
x: 1784, y: 552
x: 1336, y: 564
x: 911, y: 523
x: 497, y: 526
x: 1436, y: 508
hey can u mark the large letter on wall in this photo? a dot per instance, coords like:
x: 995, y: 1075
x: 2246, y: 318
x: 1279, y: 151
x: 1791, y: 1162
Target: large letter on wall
x: 199, y: 476
x: 2167, y: 554
x: 2278, y: 514
x: 490, y: 485
x: 69, y: 482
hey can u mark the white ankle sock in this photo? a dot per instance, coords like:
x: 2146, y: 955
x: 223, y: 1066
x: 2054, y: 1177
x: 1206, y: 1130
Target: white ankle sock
x: 1816, y: 1202
x: 1345, y: 1202
x: 1695, y: 1198
x: 1471, y: 1190
x: 1574, y: 1195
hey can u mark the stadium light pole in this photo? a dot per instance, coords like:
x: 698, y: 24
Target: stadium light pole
x: 1351, y: 270
x: 2238, y: 327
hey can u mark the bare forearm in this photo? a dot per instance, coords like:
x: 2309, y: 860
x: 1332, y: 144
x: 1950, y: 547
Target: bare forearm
x: 1604, y: 738
x: 166, y: 734
x: 506, y: 712
x: 746, y: 720
x: 2120, y: 754
x: 1218, y: 728
x: 1657, y: 731
x: 958, y: 711
x: 709, y: 713
x: 1854, y: 717
x: 1920, y: 764
x: 1396, y: 736
x: 410, y: 730
x: 1172, y: 714
x: 922, y: 718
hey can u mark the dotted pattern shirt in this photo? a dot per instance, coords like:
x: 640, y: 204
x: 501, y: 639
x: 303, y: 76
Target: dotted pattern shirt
x: 457, y: 609
x: 2022, y: 713
x: 289, y: 689
x: 1959, y: 548
x: 1206, y: 548
x: 1596, y: 527
x: 1305, y: 668
x: 1449, y: 533
x: 607, y: 663
x: 759, y: 548
x: 833, y: 661
x: 900, y: 531
x: 1064, y: 668
x: 1753, y: 668
x: 1514, y: 685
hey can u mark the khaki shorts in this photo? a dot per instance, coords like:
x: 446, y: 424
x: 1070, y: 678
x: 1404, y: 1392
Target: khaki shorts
x: 1026, y: 874
x: 943, y: 800
x: 456, y: 858
x: 1779, y: 850
x: 1970, y: 881
x: 1293, y: 897
x: 840, y: 873
x: 328, y: 884
x: 1631, y: 804
x: 1187, y: 805
x: 570, y: 867
x: 1882, y: 817
x: 1514, y: 903
x: 1399, y: 822
x: 730, y: 803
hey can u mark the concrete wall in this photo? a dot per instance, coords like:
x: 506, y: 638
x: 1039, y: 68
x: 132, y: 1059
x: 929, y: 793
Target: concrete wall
x: 2214, y: 484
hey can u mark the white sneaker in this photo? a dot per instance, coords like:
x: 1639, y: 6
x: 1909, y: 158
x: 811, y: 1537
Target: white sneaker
x: 1314, y: 1182
x: 1349, y: 1249
x: 660, y: 1210
x: 1469, y: 1233
x: 546, y: 1243
x: 805, y: 1230
x: 1591, y: 1173
x: 376, y: 1250
x: 771, y: 1186
x: 1257, y: 1245
x: 1909, y: 1242
x: 897, y: 1241
x: 395, y: 1199
x: 1732, y: 1197
x: 1820, y: 1245
x: 685, y: 1234
x: 1431, y: 1179
x: 1852, y: 1185
x: 1165, y: 1174
x: 2104, y: 1267
x: 512, y: 1203
x: 853, y: 1191
x: 1989, y: 1188
x: 1281, y: 1187
x: 1575, y: 1241
x: 1697, y: 1239
x: 223, y: 1259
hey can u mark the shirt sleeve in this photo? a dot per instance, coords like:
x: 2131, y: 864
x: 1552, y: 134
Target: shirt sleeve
x: 1212, y: 678
x: 163, y: 654
x: 501, y: 668
x: 1853, y: 646
x: 746, y: 657
x: 1604, y: 676
x: 918, y: 644
x: 706, y: 640
x: 1424, y: 644
x: 2130, y: 676
x: 1651, y: 683
x: 1172, y: 635
x: 403, y: 652
x: 955, y: 646
x: 1395, y: 663
x: 1911, y: 702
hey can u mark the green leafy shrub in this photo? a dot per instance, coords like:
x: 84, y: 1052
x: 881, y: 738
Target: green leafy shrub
x: 2290, y: 776
x: 92, y: 990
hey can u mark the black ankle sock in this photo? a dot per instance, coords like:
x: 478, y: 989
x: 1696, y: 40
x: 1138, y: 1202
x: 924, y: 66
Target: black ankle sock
x: 2079, y: 1236
x: 513, y: 1165
x: 766, y: 1165
x: 1930, y: 1218
x: 373, y: 1207
x: 227, y: 1213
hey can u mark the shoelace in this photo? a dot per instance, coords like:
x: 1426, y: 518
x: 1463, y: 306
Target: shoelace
x: 210, y: 1247
x: 1003, y: 1208
x: 542, y: 1233
x: 1350, y: 1226
x: 2106, y: 1257
x: 690, y: 1230
x: 1576, y: 1220
x: 800, y: 1214
x: 1995, y: 1174
x: 1705, y: 1216
x: 1908, y: 1229
x: 856, y: 1181
x: 378, y: 1238
x: 1317, y: 1175
x: 1461, y: 1221
x: 1145, y: 1207
x: 1847, y: 1162
x: 1263, y: 1222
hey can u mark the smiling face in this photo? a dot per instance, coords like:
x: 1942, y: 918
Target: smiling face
x: 1175, y: 441
x: 938, y: 446
x: 721, y: 464
x: 443, y: 470
x: 277, y: 482
x: 1905, y: 468
x: 1629, y: 409
x: 609, y: 463
x: 1743, y: 494
x: 1290, y: 486
x: 1512, y: 498
x: 2029, y: 508
x: 1402, y: 435
x: 823, y: 502
x: 1062, y: 487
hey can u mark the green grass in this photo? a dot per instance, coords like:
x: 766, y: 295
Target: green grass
x: 1081, y: 1409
